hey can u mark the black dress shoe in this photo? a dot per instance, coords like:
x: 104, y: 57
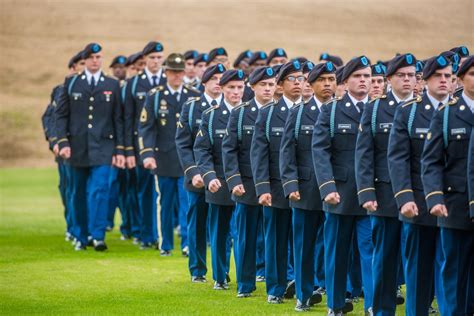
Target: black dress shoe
x: 260, y: 278
x: 99, y: 245
x: 90, y: 241
x: 321, y: 290
x: 198, y: 279
x: 185, y: 252
x: 348, y: 307
x: 271, y: 299
x: 146, y: 245
x: 79, y: 246
x: 400, y: 298
x: 301, y: 307
x: 243, y: 295
x: 227, y: 277
x: 335, y: 313
x: 136, y: 240
x: 165, y: 253
x: 316, y: 298
x: 290, y: 289
x: 220, y: 286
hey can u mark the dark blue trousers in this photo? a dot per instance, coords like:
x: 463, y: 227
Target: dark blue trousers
x: 260, y: 245
x: 245, y: 246
x: 290, y: 274
x: 147, y: 202
x: 89, y: 196
x: 386, y: 258
x: 182, y: 209
x: 338, y: 231
x: 354, y: 273
x: 319, y: 279
x: 457, y: 271
x: 305, y: 230
x: 197, y: 223
x: 114, y: 190
x: 64, y: 191
x: 276, y: 228
x: 220, y: 216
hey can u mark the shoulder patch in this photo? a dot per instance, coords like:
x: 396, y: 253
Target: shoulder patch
x: 155, y: 90
x: 191, y: 88
x: 209, y: 110
x: 411, y: 101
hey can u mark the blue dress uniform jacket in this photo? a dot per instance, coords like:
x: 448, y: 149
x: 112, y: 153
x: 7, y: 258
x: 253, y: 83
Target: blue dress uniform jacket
x: 157, y: 129
x: 296, y: 161
x: 444, y: 163
x: 470, y: 167
x: 236, y: 151
x: 333, y: 145
x: 208, y: 152
x: 89, y: 120
x: 372, y: 175
x: 407, y: 138
x: 48, y: 118
x: 188, y: 127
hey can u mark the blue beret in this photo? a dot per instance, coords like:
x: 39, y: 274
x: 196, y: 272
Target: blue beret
x: 289, y: 68
x: 75, y: 59
x: 400, y: 61
x: 300, y: 59
x: 433, y: 64
x: 201, y: 58
x: 455, y: 67
x: 339, y: 73
x: 336, y: 60
x: 245, y: 54
x: 120, y: 60
x: 307, y: 67
x: 190, y: 54
x: 211, y: 71
x: 419, y: 66
x: 219, y: 51
x: 320, y: 69
x: 277, y: 52
x: 232, y: 75
x: 92, y: 48
x: 152, y: 47
x: 461, y: 51
x: 353, y: 65
x: 133, y: 58
x: 466, y: 65
x: 257, y: 56
x: 378, y: 70
x: 261, y: 73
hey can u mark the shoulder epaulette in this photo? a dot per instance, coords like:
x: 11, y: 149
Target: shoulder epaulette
x: 191, y: 88
x: 451, y: 102
x: 242, y: 105
x: 212, y: 108
x: 155, y: 90
x: 332, y: 100
x: 411, y: 101
x: 192, y: 99
x: 380, y: 97
x: 268, y: 105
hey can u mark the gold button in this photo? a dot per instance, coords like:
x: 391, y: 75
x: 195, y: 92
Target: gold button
x: 91, y: 108
x: 89, y: 126
x: 90, y: 117
x: 91, y: 99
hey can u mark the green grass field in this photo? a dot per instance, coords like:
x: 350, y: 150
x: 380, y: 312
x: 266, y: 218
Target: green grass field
x: 41, y: 274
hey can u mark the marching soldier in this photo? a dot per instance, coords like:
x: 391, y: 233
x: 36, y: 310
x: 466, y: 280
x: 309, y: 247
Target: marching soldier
x: 135, y: 64
x: 208, y: 153
x: 334, y: 143
x: 307, y: 92
x: 336, y: 60
x: 200, y: 64
x: 277, y: 56
x: 420, y: 83
x: 190, y: 77
x: 90, y: 135
x: 377, y: 87
x: 119, y: 70
x: 242, y: 61
x: 218, y: 56
x: 340, y: 86
x: 258, y: 59
x: 188, y: 127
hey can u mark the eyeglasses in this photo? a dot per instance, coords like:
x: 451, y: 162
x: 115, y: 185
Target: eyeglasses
x: 402, y: 75
x: 293, y: 78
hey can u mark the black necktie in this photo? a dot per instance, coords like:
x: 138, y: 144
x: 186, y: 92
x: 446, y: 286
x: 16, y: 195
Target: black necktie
x: 214, y: 103
x: 92, y: 82
x: 176, y: 96
x: 440, y: 104
x: 360, y: 106
x: 155, y: 80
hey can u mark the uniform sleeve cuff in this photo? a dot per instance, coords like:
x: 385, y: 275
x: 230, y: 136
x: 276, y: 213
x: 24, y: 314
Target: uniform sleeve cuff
x: 326, y: 188
x: 366, y: 195
x: 129, y: 151
x: 434, y: 198
x: 404, y: 196
x: 146, y: 153
x: 119, y: 150
x: 208, y: 177
x: 262, y: 187
x: 290, y: 186
x: 63, y: 142
x: 233, y: 181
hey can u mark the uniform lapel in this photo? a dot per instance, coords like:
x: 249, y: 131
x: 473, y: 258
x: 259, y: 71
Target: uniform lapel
x: 426, y: 108
x: 348, y: 108
x: 465, y: 114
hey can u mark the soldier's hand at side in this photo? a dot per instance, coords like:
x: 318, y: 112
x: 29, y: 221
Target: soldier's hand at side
x: 197, y: 181
x: 214, y: 185
x: 56, y: 150
x: 65, y: 152
x: 265, y: 199
x: 118, y: 161
x: 294, y: 196
x: 439, y: 210
x: 370, y: 206
x: 332, y: 198
x: 149, y: 163
x: 238, y: 190
x: 131, y: 162
x: 409, y: 209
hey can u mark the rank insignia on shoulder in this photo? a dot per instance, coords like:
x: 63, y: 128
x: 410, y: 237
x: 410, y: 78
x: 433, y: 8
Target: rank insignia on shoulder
x: 143, y: 116
x: 411, y: 101
x: 453, y: 101
x: 190, y: 87
x: 199, y: 133
x: 155, y: 90
x: 212, y: 108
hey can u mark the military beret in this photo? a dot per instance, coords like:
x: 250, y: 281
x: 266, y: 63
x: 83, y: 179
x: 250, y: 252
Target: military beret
x: 277, y: 52
x: 219, y: 51
x: 201, y: 58
x: 120, y: 60
x: 152, y: 47
x: 276, y: 69
x: 461, y: 51
x: 336, y: 60
x: 289, y: 68
x: 190, y: 54
x: 92, y: 48
x: 300, y: 59
x: 419, y: 66
x: 455, y: 67
x: 448, y: 54
x: 353, y: 65
x: 339, y: 73
x: 261, y: 73
x: 74, y: 59
x: 211, y: 71
x: 400, y: 61
x: 174, y: 62
x: 433, y: 64
x: 245, y: 54
x: 133, y: 58
x: 257, y: 56
x: 232, y: 75
x: 466, y: 65
x: 320, y: 69
x: 378, y: 70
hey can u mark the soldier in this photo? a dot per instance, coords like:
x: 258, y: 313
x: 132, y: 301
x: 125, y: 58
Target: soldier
x: 208, y: 153
x: 444, y: 165
x: 279, y: 90
x: 277, y: 56
x: 420, y: 83
x: 340, y: 86
x: 135, y: 64
x: 377, y: 87
x: 336, y: 60
x: 190, y: 76
x: 463, y: 53
x: 188, y: 127
x: 118, y: 67
x: 90, y: 134
x: 218, y: 56
x: 299, y: 180
x: 200, y: 64
x: 258, y: 59
x: 334, y: 142
x: 373, y: 180
x: 307, y: 93
x: 242, y: 61
x: 264, y: 152
x: 238, y: 172
x: 156, y: 132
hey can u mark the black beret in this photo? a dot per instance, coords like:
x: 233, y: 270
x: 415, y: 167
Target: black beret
x: 245, y: 54
x: 134, y: 58
x: 74, y: 59
x: 211, y: 71
x: 461, y: 51
x: 448, y: 54
x: 300, y: 59
x: 261, y: 73
x: 257, y: 56
x: 466, y: 65
x: 353, y: 65
x: 120, y: 60
x: 307, y: 67
x: 339, y: 73
x: 320, y: 69
x: 232, y: 75
x: 336, y: 60
x: 289, y: 68
x: 190, y: 54
x: 378, y: 70
x: 219, y: 51
x: 152, y: 47
x: 174, y: 62
x: 90, y: 49
x: 433, y: 64
x: 419, y: 66
x: 277, y: 52
x: 455, y: 67
x: 400, y: 61
x: 201, y: 58
x: 276, y: 69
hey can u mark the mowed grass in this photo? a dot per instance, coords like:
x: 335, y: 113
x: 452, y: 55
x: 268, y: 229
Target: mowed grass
x: 41, y: 274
